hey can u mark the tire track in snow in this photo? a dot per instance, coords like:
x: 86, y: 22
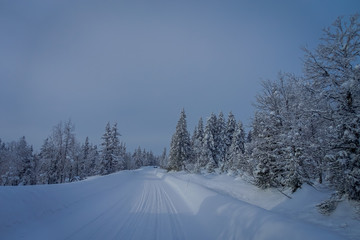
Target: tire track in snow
x: 153, y: 215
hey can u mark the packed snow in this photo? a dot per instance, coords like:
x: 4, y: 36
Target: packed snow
x: 150, y: 203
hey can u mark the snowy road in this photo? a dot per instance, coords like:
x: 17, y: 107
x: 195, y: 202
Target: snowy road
x: 142, y: 204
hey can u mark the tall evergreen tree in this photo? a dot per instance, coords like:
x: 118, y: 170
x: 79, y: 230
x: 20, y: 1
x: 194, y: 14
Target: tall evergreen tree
x: 208, y: 151
x: 220, y: 139
x: 26, y: 162
x: 196, y: 144
x: 163, y: 159
x: 230, y: 129
x: 180, y: 149
x: 107, y: 151
x: 137, y: 158
x: 117, y: 150
x: 84, y: 158
x: 235, y: 156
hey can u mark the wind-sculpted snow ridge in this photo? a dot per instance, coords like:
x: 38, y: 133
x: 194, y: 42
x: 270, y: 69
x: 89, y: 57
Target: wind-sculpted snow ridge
x: 141, y: 204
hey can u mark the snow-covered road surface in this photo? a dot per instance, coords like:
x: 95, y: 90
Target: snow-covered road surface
x: 141, y: 204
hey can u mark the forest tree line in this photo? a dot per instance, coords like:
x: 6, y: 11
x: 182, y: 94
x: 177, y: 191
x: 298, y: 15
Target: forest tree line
x: 306, y: 129
x: 62, y: 158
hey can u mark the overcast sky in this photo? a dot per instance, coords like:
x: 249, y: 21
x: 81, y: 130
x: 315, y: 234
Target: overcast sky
x: 138, y: 63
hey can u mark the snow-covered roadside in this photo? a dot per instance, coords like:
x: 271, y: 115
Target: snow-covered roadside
x: 149, y: 204
x: 345, y: 220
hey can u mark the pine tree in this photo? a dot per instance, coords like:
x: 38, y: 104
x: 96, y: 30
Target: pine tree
x: 93, y: 164
x: 137, y: 158
x: 117, y: 150
x: 180, y: 149
x: 230, y: 129
x: 229, y: 132
x: 220, y: 139
x: 84, y: 159
x: 107, y: 151
x: 164, y: 159
x: 196, y: 144
x: 208, y: 151
x: 26, y: 162
x: 236, y: 159
x: 267, y: 153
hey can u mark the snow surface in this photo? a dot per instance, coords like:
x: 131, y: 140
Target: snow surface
x: 151, y: 204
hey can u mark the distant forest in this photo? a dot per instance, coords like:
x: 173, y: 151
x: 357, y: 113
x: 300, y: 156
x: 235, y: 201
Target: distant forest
x: 63, y: 159
x: 306, y: 129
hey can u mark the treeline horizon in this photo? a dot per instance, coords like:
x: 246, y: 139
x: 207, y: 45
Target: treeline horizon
x: 62, y: 158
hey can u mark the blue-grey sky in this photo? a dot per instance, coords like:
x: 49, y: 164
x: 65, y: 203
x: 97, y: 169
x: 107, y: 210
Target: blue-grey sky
x: 138, y: 63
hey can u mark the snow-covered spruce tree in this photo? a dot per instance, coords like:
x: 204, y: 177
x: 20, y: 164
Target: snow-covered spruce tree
x: 47, y: 162
x: 220, y: 139
x: 211, y: 130
x: 25, y: 157
x: 107, y: 152
x: 269, y: 139
x: 266, y: 154
x: 180, y: 149
x: 93, y: 164
x: 230, y: 129
x: 229, y: 132
x: 208, y: 151
x: 113, y: 151
x: 84, y: 159
x: 149, y: 158
x: 236, y: 158
x: 163, y: 159
x: 89, y: 160
x: 144, y: 158
x: 137, y: 158
x: 281, y: 133
x: 17, y: 163
x: 196, y: 144
x: 118, y: 150
x: 333, y: 73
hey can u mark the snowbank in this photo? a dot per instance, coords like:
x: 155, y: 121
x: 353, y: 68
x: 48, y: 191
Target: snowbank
x: 152, y: 204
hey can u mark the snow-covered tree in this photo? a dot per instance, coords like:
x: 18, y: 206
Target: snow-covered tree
x: 230, y: 129
x: 107, y: 151
x: 180, y: 149
x: 58, y: 154
x: 163, y: 159
x: 333, y: 73
x: 84, y: 159
x: 137, y: 158
x: 196, y: 144
x: 269, y: 164
x: 208, y: 152
x: 88, y: 160
x: 235, y: 156
x: 26, y: 166
x: 17, y: 163
x: 113, y: 151
x: 220, y: 139
x: 118, y: 150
